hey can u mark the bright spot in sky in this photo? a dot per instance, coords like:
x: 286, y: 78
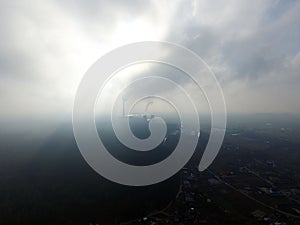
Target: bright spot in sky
x: 127, y: 32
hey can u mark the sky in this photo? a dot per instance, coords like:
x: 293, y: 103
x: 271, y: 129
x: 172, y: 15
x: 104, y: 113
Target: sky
x: 46, y: 47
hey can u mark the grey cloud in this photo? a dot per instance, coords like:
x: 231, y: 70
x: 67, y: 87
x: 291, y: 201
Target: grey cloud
x: 273, y: 36
x: 99, y: 18
x: 249, y: 45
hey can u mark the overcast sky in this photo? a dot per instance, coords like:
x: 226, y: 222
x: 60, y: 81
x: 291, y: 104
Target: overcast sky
x: 46, y: 47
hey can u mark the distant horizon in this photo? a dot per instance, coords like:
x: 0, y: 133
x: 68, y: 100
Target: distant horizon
x: 53, y: 122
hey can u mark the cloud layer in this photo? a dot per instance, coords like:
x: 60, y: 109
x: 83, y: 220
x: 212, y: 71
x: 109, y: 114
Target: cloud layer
x: 45, y: 47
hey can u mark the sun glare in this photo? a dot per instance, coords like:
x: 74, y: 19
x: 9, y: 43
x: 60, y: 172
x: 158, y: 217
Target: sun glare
x: 135, y: 31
